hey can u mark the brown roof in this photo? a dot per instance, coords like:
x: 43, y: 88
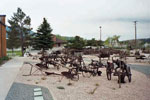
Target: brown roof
x: 59, y: 41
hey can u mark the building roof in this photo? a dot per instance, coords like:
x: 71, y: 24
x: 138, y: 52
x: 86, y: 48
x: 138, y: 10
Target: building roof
x: 2, y: 15
x: 59, y: 41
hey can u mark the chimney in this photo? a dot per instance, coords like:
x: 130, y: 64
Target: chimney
x: 2, y: 36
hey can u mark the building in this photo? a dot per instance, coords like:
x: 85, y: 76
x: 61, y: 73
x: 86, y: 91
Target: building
x: 58, y: 42
x: 2, y: 36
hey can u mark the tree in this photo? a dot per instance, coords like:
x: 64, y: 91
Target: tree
x: 92, y: 42
x: 22, y: 26
x: 115, y: 40
x: 76, y: 43
x: 100, y: 43
x: 108, y: 42
x: 61, y: 37
x: 28, y: 37
x: 43, y: 37
x: 13, y: 36
x: 111, y: 41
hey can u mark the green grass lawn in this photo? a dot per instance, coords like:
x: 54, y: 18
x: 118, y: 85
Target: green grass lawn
x: 15, y: 53
x: 9, y: 55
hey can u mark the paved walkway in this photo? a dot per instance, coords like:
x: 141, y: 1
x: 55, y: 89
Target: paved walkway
x: 8, y: 73
x: 145, y: 69
x: 19, y: 91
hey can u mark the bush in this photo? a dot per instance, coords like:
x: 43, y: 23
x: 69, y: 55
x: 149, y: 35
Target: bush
x: 2, y: 59
x: 5, y: 58
x: 60, y: 87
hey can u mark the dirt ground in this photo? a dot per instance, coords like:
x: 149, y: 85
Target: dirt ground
x: 93, y: 88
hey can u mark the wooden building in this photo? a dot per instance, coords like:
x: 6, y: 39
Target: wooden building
x: 2, y: 36
x: 58, y: 42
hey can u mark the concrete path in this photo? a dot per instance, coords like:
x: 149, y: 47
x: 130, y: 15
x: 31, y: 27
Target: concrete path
x: 8, y: 73
x: 19, y: 91
x: 145, y: 69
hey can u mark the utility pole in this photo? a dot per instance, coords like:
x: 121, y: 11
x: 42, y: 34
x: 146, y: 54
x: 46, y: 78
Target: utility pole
x: 100, y: 33
x: 135, y: 22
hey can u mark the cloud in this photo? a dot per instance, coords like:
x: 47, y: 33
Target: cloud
x: 141, y: 20
x: 83, y: 17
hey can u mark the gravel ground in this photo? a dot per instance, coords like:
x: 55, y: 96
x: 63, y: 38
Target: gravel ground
x: 20, y: 91
x: 93, y: 88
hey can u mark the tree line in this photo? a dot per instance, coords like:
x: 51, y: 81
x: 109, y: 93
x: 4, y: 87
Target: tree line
x: 21, y: 35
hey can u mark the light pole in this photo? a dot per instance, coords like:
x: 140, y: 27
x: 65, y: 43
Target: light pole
x: 100, y: 43
x: 100, y: 33
x: 135, y: 22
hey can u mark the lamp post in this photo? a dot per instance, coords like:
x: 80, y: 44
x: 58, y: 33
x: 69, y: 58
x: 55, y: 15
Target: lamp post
x: 135, y: 22
x: 100, y: 33
x: 100, y: 42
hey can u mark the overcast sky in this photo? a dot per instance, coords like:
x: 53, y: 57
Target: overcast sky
x: 83, y: 17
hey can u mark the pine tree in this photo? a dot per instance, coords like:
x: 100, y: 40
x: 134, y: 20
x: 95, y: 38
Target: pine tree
x: 22, y: 26
x: 13, y: 36
x: 43, y: 37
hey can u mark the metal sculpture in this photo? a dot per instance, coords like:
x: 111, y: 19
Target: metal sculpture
x: 121, y: 71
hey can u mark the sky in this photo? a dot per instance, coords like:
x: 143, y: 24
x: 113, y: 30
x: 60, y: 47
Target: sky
x: 84, y: 17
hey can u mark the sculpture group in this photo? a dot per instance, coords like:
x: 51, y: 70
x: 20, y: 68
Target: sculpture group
x: 74, y: 62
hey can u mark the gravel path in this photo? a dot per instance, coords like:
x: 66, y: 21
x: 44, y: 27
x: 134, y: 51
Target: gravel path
x: 21, y: 91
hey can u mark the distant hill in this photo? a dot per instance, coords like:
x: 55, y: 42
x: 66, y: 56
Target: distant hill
x: 66, y: 38
x: 147, y: 40
x: 144, y: 40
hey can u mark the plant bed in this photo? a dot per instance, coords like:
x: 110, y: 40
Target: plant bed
x: 3, y: 60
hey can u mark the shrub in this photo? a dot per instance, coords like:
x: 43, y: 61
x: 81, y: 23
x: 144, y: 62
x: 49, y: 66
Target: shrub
x: 2, y: 59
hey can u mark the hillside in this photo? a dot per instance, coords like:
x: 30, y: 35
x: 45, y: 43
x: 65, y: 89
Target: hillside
x: 66, y: 38
x: 144, y: 40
